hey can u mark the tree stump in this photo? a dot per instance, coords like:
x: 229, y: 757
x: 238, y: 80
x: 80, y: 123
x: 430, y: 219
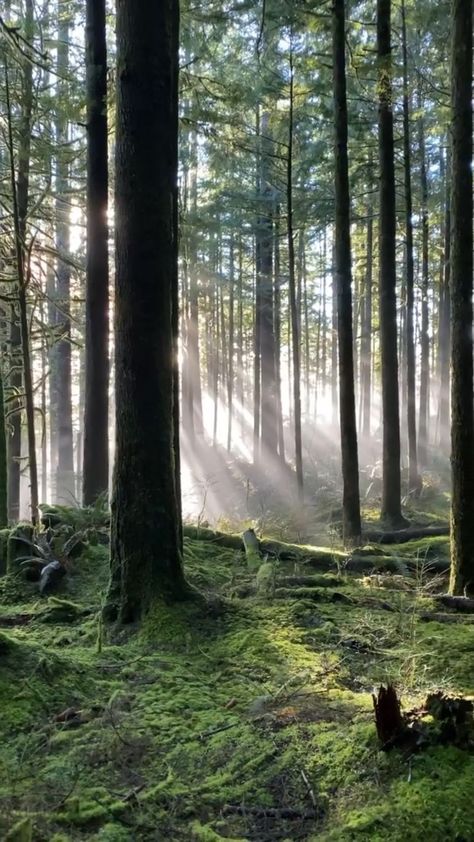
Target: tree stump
x: 388, y: 717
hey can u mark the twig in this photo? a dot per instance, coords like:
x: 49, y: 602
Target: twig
x: 270, y: 812
x: 206, y: 734
x: 309, y: 788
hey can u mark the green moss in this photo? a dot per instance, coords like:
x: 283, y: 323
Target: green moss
x: 227, y: 701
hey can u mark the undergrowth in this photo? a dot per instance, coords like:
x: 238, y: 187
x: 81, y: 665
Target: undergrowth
x: 203, y: 724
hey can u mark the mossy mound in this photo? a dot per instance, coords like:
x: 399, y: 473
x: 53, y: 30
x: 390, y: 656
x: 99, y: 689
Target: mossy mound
x: 241, y: 717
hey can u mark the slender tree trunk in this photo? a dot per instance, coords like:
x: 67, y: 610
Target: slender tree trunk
x: 343, y: 264
x: 20, y: 190
x: 334, y: 354
x: 3, y: 457
x: 366, y: 334
x: 230, y: 380
x: 22, y: 196
x: 145, y: 505
x: 65, y: 486
x: 391, y: 491
x: 424, y: 335
x: 96, y: 415
x: 292, y: 291
x: 462, y: 424
x: 413, y: 478
x: 444, y: 330
x: 278, y: 305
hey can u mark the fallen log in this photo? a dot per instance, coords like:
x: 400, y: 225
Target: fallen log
x: 322, y: 559
x: 458, y: 603
x: 402, y: 536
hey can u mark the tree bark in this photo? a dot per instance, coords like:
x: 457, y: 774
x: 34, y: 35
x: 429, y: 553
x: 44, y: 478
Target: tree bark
x: 413, y: 478
x: 343, y: 269
x: 96, y: 415
x: 391, y: 491
x: 462, y: 419
x: 295, y: 333
x: 146, y: 562
x: 424, y: 334
x: 65, y: 486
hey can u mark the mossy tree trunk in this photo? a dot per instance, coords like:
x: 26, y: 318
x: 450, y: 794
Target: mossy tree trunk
x: 391, y: 490
x: 343, y: 270
x: 96, y: 415
x: 146, y: 561
x: 462, y: 415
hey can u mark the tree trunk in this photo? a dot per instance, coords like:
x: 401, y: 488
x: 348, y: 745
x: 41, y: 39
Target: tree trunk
x: 295, y: 335
x: 424, y: 334
x: 343, y: 270
x: 3, y: 457
x: 277, y: 307
x: 65, y: 486
x: 462, y: 424
x: 444, y: 329
x: 413, y: 479
x: 391, y: 491
x: 96, y: 415
x: 145, y: 506
x: 269, y: 435
x: 366, y: 332
x: 21, y: 189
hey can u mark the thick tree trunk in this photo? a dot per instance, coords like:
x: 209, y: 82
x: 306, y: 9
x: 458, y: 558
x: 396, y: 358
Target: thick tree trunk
x: 343, y: 269
x: 146, y: 561
x: 462, y: 424
x: 96, y: 415
x: 65, y: 486
x: 413, y: 479
x: 391, y: 491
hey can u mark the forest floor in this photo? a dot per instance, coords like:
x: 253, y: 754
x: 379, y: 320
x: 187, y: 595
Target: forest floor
x: 252, y: 720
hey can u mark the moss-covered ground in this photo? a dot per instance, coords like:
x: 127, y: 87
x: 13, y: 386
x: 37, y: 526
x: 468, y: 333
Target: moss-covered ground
x: 204, y: 722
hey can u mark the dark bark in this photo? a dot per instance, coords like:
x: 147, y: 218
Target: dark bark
x: 22, y: 196
x: 230, y: 372
x: 343, y: 270
x: 391, y: 490
x: 65, y: 486
x: 444, y: 328
x: 424, y: 333
x: 295, y: 333
x: 265, y: 314
x: 462, y: 418
x: 3, y: 457
x: 96, y: 415
x: 277, y: 308
x: 366, y: 332
x: 413, y: 479
x: 146, y: 561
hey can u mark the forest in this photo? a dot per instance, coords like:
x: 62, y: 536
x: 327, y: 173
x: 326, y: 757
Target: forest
x: 236, y: 421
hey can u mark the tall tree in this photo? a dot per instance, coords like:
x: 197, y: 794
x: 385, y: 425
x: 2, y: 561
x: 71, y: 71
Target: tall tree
x: 462, y: 413
x: 343, y: 269
x: 295, y: 327
x: 391, y: 485
x: 96, y: 415
x: 145, y: 506
x: 413, y: 479
x: 65, y: 486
